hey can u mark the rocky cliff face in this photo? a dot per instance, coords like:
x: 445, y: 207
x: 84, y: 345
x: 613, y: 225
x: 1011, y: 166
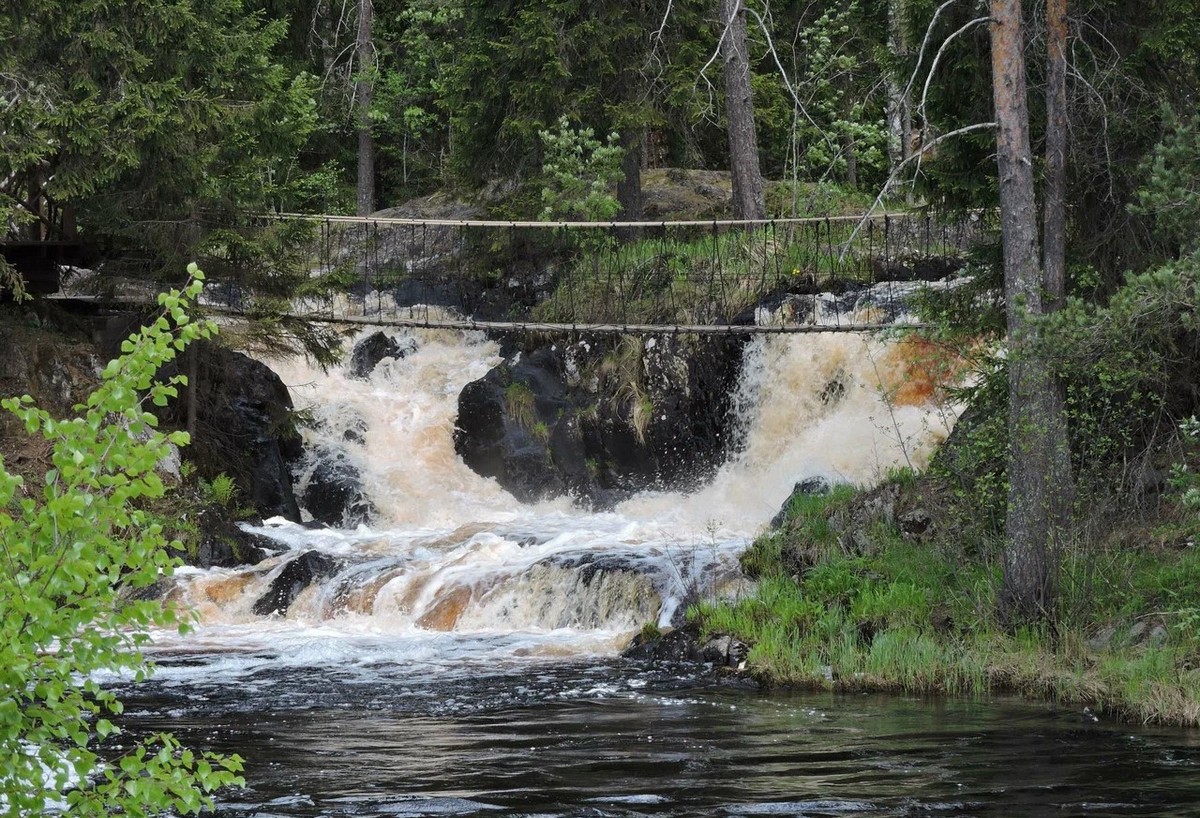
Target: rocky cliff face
x: 601, y: 418
x: 242, y: 409
x: 244, y: 427
x: 50, y: 357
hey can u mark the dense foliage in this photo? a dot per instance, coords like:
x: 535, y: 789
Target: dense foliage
x: 147, y: 114
x: 136, y: 116
x: 74, y: 552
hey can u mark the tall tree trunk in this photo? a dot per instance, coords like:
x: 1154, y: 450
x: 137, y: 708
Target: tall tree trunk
x: 1039, y: 458
x: 363, y: 92
x: 629, y: 187
x: 1055, y: 226
x: 899, y: 117
x: 851, y: 162
x: 748, y: 199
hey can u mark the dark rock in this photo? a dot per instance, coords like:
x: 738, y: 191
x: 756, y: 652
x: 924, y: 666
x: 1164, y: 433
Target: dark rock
x: 600, y: 419
x: 798, y: 556
x: 333, y: 492
x: 916, y: 268
x: 809, y: 487
x: 593, y: 565
x: 724, y: 650
x: 916, y: 525
x: 297, y: 575
x: 374, y: 348
x: 355, y: 434
x: 161, y: 588
x: 686, y: 644
x: 57, y: 370
x: 507, y: 421
x: 243, y: 426
x: 221, y: 543
x: 853, y: 524
x: 834, y: 391
x: 678, y: 645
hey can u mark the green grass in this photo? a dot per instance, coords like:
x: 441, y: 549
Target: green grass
x: 917, y: 618
x: 705, y: 277
x: 519, y: 406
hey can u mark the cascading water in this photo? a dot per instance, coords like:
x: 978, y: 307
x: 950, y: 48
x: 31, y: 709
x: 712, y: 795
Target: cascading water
x: 421, y: 665
x: 452, y: 569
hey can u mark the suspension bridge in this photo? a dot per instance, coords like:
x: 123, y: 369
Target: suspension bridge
x: 837, y: 273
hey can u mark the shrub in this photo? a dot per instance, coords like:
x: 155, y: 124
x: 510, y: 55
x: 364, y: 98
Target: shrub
x: 68, y: 549
x: 580, y: 172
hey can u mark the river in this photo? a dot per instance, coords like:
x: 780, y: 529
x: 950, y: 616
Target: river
x: 459, y: 656
x: 613, y: 738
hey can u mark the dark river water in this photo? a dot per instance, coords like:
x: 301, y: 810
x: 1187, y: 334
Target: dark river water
x: 620, y: 739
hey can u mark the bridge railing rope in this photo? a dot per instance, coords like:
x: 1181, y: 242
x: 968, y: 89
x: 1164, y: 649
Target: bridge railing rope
x: 780, y: 275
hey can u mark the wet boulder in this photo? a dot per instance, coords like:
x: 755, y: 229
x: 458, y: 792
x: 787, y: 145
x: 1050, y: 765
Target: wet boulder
x: 663, y: 412
x: 688, y: 644
x: 675, y: 646
x: 374, y: 348
x: 244, y: 426
x: 602, y: 418
x: 809, y: 487
x: 292, y: 580
x: 333, y: 491
x: 220, y: 543
x: 517, y: 424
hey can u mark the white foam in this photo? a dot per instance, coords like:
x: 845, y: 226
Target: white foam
x: 456, y: 572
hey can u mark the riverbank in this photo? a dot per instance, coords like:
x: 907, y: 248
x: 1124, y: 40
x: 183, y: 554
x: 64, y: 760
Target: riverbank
x: 862, y: 591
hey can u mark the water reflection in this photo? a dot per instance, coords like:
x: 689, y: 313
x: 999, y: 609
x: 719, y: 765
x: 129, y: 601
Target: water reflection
x: 621, y: 740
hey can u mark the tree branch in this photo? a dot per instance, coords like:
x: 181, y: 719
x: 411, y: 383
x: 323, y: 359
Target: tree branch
x: 887, y: 185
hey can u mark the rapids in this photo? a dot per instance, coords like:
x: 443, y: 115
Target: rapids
x: 458, y: 655
x: 453, y: 569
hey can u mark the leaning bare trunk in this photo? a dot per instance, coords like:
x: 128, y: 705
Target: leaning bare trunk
x: 362, y: 104
x: 1039, y: 458
x: 748, y: 199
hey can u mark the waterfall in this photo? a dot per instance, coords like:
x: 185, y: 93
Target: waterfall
x: 452, y: 566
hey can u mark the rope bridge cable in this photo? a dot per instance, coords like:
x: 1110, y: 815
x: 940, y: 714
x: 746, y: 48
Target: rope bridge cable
x: 788, y: 275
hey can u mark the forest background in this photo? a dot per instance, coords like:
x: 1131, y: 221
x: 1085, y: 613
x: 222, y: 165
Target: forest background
x: 130, y: 121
